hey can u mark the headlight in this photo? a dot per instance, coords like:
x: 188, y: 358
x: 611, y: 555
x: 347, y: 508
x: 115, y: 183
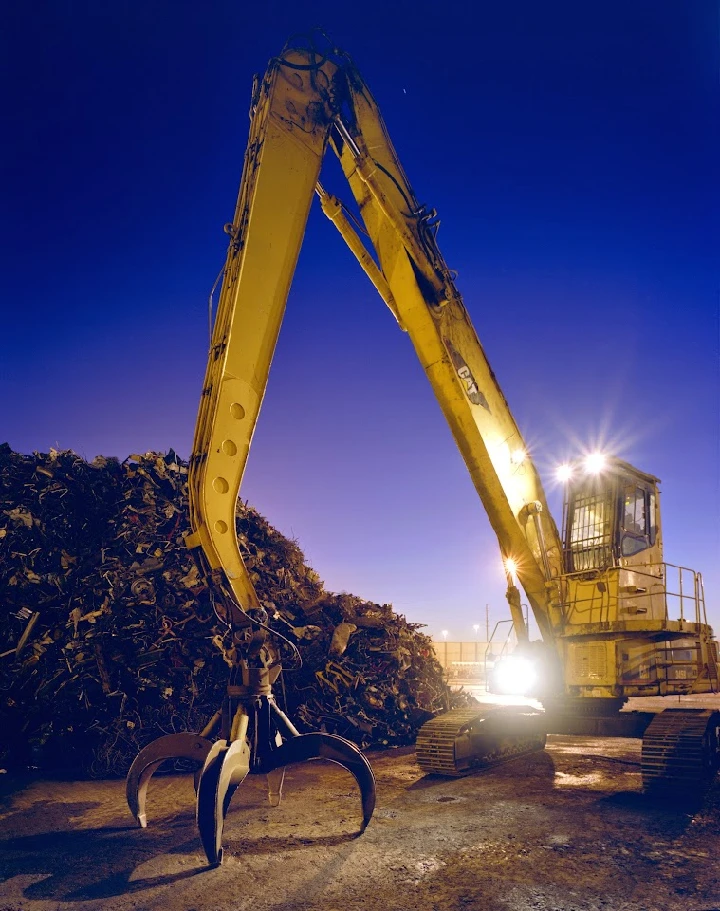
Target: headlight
x: 514, y: 676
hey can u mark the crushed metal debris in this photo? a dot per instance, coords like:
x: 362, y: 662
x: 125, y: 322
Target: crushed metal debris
x: 108, y: 638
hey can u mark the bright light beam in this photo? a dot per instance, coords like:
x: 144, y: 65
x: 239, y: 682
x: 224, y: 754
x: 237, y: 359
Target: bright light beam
x: 595, y: 462
x: 514, y: 676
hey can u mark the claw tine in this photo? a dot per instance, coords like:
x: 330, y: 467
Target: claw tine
x: 354, y: 761
x: 136, y: 787
x: 336, y: 749
x: 275, y: 780
x: 150, y: 758
x: 209, y: 827
x: 224, y: 770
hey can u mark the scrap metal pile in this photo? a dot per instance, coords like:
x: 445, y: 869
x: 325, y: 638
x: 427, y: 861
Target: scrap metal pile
x: 108, y: 638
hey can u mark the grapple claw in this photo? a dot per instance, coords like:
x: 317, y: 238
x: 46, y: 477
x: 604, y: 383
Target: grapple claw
x: 151, y: 757
x: 255, y: 736
x: 225, y: 768
x: 335, y: 749
x: 275, y: 780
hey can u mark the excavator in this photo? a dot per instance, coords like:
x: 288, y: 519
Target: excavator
x: 601, y: 594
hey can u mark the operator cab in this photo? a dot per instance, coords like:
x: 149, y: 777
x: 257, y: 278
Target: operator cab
x: 610, y: 514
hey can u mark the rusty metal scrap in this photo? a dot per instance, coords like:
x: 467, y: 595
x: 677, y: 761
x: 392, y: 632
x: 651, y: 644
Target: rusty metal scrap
x: 108, y: 637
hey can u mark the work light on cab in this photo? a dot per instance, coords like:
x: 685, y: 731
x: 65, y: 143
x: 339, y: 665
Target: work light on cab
x: 595, y: 462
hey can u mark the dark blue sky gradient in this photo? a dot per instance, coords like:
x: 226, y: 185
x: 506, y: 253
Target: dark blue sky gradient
x: 571, y: 151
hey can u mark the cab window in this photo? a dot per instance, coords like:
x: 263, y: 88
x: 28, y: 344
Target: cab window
x: 591, y: 532
x: 651, y: 518
x: 635, y: 525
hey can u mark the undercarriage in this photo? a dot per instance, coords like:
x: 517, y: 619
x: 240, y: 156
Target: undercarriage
x: 680, y: 746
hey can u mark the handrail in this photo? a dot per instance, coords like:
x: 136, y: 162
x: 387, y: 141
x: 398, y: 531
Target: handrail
x: 689, y: 596
x: 502, y: 650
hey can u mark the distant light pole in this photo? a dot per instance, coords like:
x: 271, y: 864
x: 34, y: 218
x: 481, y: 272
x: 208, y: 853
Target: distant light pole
x: 445, y: 634
x: 476, y: 627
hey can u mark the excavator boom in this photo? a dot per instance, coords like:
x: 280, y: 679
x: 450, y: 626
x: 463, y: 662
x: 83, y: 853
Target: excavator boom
x: 302, y: 106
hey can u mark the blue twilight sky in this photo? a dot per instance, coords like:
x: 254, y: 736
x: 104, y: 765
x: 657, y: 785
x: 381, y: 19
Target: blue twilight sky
x: 571, y: 150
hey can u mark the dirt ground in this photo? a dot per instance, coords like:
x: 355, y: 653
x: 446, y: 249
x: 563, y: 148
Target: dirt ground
x: 563, y: 830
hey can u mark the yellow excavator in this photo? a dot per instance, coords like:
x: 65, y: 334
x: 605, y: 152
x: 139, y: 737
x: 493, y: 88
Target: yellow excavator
x: 604, y: 611
x: 601, y: 595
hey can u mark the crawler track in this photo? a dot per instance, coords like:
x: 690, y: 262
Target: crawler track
x: 681, y: 750
x: 465, y: 740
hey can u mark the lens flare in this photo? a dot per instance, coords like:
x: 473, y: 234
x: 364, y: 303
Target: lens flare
x: 595, y: 462
x: 514, y: 676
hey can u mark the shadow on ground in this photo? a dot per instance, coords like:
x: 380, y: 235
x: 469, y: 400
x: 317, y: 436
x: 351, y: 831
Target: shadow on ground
x: 93, y: 863
x: 538, y: 765
x: 82, y: 864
